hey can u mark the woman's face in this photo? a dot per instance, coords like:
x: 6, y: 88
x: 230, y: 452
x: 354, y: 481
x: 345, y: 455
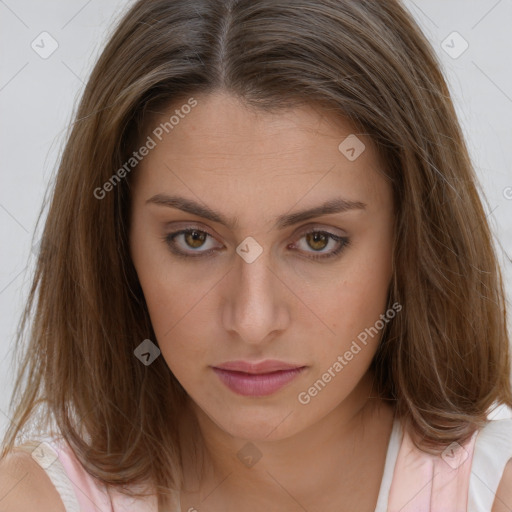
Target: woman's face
x: 250, y: 283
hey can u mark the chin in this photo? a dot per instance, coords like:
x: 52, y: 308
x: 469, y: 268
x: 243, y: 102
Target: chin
x: 256, y: 432
x: 257, y: 423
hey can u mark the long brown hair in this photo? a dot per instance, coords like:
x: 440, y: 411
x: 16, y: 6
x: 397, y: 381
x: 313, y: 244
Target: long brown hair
x: 443, y: 362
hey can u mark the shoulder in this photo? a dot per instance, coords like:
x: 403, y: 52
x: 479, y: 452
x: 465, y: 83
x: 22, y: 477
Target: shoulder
x: 491, y: 472
x: 503, y: 499
x: 24, y: 485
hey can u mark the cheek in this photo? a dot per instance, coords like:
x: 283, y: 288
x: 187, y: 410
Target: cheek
x: 353, y: 312
x: 177, y: 317
x: 169, y: 297
x: 358, y: 298
x: 176, y: 320
x: 363, y: 295
x: 179, y: 314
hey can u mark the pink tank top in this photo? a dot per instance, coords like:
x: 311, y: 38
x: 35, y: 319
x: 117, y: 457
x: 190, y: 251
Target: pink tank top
x: 463, y: 479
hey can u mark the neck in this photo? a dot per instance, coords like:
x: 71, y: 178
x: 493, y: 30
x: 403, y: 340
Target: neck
x: 357, y: 431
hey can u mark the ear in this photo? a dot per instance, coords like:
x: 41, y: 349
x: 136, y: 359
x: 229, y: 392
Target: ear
x: 503, y: 499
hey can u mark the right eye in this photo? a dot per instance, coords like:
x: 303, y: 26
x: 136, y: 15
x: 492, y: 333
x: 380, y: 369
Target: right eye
x: 190, y: 238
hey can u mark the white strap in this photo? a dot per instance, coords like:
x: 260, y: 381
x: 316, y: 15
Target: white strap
x: 389, y: 466
x: 493, y: 449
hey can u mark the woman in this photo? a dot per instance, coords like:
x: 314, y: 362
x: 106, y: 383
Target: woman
x: 267, y: 280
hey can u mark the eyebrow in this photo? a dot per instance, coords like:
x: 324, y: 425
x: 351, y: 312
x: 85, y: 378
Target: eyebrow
x: 336, y: 205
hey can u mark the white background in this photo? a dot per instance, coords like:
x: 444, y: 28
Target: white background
x: 37, y: 98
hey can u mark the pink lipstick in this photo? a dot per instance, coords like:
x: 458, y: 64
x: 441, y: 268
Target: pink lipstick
x: 256, y: 379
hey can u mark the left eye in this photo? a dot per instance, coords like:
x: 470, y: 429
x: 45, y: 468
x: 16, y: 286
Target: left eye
x: 319, y: 240
x: 195, y: 239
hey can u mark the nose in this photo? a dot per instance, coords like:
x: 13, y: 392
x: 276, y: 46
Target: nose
x: 256, y: 306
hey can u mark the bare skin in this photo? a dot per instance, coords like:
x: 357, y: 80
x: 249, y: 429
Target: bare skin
x: 277, y: 483
x: 327, y: 454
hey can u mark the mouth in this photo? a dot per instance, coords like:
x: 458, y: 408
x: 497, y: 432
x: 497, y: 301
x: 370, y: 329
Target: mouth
x: 257, y: 379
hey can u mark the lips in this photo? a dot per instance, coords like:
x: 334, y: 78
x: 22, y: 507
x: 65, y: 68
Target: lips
x: 257, y: 379
x: 267, y: 366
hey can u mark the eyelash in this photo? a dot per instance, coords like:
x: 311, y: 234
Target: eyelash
x: 342, y: 241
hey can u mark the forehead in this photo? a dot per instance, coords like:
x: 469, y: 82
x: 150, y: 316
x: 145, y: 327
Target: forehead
x: 220, y: 121
x: 244, y: 155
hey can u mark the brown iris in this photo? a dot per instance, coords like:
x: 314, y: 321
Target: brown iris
x: 195, y: 239
x: 316, y: 238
